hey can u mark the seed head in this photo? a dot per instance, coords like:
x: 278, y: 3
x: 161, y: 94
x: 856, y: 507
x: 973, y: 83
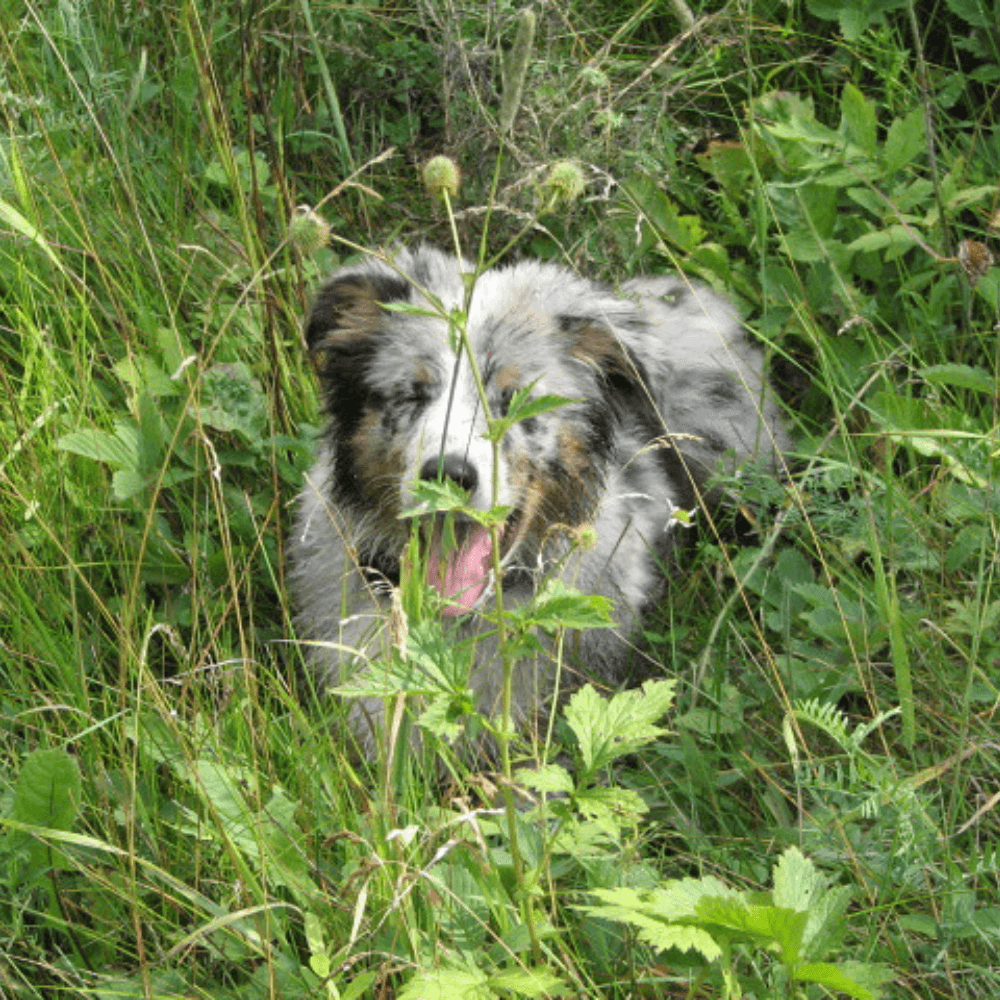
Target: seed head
x: 308, y: 230
x: 441, y: 174
x: 975, y: 258
x: 565, y: 182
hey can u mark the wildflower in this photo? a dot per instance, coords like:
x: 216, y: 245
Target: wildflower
x: 442, y: 175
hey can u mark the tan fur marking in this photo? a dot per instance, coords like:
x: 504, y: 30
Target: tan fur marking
x: 596, y: 344
x: 573, y: 451
x: 379, y: 468
x: 508, y: 378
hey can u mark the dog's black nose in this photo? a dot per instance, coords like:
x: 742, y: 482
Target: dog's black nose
x: 453, y: 467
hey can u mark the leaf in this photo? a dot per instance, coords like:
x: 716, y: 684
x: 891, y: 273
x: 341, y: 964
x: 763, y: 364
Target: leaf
x: 550, y: 778
x: 960, y: 376
x: 858, y: 119
x: 524, y: 407
x: 797, y: 883
x: 560, y: 606
x: 610, y: 728
x: 118, y: 449
x: 232, y: 400
x: 683, y: 937
x: 529, y: 982
x: 767, y: 925
x: 803, y: 246
x: 898, y: 237
x: 974, y: 12
x: 904, y: 140
x: 857, y: 979
x: 465, y: 983
x: 21, y: 225
x: 47, y: 795
x: 611, y: 808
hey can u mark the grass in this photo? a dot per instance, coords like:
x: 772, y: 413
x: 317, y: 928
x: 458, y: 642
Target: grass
x: 175, y: 818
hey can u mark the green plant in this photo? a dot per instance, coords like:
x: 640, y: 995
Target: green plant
x: 800, y: 920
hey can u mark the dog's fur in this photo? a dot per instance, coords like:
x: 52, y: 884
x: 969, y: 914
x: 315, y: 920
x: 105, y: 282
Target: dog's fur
x: 666, y: 390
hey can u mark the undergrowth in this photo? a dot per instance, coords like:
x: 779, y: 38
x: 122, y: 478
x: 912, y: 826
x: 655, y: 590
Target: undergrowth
x: 176, y: 819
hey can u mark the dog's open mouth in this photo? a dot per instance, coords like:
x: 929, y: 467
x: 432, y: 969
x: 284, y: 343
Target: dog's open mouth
x: 460, y: 560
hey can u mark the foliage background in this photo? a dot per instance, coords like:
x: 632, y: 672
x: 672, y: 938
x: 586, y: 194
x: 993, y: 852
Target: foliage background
x: 832, y: 166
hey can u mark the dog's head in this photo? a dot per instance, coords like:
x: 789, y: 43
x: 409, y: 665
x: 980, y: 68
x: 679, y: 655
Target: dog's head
x: 405, y: 405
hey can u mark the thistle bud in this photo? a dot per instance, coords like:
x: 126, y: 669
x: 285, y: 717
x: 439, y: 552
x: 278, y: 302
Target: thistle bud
x: 308, y: 230
x: 441, y: 175
x: 565, y: 182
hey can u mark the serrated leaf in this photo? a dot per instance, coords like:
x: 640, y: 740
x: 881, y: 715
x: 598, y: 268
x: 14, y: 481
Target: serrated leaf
x: 549, y: 778
x: 127, y: 483
x: 523, y: 407
x: 651, y: 916
x: 113, y: 449
x: 144, y: 374
x: 529, y: 982
x: 797, y: 883
x: 611, y: 808
x: 606, y: 729
x: 232, y: 400
x: 904, y: 140
x: 560, y: 606
x: 857, y: 979
x: 765, y: 924
x: 858, y: 118
x: 683, y: 937
x: 447, y: 984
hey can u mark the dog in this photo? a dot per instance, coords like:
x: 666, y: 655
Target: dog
x: 662, y: 389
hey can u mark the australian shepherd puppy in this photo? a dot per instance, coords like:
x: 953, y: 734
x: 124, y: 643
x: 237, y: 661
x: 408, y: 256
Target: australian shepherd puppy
x: 664, y: 390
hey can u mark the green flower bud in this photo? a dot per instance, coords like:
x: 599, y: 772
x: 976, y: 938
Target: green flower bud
x: 565, y: 182
x: 440, y: 175
x: 308, y: 230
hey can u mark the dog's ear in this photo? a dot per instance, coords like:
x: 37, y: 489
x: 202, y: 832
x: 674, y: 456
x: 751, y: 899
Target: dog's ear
x: 617, y: 369
x: 347, y: 313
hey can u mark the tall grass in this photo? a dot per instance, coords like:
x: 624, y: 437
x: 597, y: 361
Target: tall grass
x: 176, y: 816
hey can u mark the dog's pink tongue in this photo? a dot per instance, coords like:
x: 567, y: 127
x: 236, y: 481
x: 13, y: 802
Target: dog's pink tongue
x: 465, y: 573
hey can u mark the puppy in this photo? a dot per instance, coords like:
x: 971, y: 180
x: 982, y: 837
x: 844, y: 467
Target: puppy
x: 664, y: 390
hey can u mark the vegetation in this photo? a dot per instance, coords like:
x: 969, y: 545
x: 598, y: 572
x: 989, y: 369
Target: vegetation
x: 176, y: 819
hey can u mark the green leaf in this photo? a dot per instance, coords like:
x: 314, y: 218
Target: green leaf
x: 858, y: 119
x: 898, y: 237
x: 550, y: 778
x: 20, y: 224
x: 977, y: 13
x: 232, y: 400
x: 767, y: 925
x: 961, y: 377
x: 529, y: 982
x: 611, y: 808
x: 797, y: 883
x: 524, y: 407
x: 47, y: 795
x: 905, y: 140
x: 607, y: 729
x: 857, y: 979
x: 463, y: 983
x: 119, y: 449
x: 560, y: 606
